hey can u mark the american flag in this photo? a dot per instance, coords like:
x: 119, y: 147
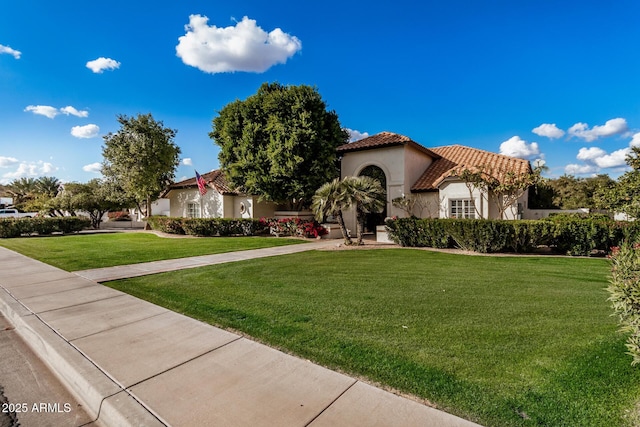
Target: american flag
x: 202, y: 186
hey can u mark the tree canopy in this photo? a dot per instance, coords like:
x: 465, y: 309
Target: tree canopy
x: 570, y: 192
x: 625, y: 195
x: 140, y: 159
x: 279, y: 143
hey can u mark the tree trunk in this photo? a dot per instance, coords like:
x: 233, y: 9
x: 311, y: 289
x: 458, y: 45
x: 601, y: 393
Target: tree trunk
x: 343, y: 229
x: 360, y: 227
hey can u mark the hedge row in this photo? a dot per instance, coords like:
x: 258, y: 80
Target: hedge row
x: 16, y: 227
x: 206, y: 226
x: 572, y: 236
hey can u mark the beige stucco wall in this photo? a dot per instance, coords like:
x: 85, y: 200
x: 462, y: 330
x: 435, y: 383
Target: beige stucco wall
x: 212, y: 202
x: 391, y: 160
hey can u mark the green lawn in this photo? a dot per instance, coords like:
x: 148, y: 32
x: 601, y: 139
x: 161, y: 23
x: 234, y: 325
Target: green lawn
x: 502, y: 341
x: 83, y: 251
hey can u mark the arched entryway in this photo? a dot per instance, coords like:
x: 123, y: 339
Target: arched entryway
x: 375, y: 219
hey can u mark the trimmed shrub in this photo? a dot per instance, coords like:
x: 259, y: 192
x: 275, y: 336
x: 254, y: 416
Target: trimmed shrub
x: 200, y: 227
x: 12, y: 227
x: 9, y: 227
x: 579, y: 237
x: 567, y: 235
x: 208, y: 227
x: 166, y: 224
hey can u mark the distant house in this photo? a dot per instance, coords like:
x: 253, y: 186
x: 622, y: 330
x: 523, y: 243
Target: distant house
x: 404, y: 168
x: 220, y: 201
x: 428, y: 176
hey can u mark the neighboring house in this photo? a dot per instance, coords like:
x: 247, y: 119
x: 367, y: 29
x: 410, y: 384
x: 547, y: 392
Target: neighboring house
x: 220, y: 201
x: 411, y: 170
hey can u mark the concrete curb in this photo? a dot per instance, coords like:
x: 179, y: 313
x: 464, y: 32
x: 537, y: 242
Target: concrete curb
x: 90, y: 385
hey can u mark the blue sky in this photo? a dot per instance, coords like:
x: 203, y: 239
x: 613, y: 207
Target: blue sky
x: 558, y: 81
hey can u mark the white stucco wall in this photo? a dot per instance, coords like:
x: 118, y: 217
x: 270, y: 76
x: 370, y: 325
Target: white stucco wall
x: 212, y: 203
x: 253, y: 208
x: 454, y: 190
x: 216, y: 205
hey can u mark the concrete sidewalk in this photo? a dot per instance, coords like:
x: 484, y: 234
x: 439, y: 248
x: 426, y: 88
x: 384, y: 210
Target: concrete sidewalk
x: 131, y: 362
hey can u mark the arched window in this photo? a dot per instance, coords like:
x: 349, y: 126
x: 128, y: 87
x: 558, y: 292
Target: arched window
x: 377, y: 218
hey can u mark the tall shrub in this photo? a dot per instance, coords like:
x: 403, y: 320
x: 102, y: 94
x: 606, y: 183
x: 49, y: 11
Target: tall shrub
x: 624, y: 288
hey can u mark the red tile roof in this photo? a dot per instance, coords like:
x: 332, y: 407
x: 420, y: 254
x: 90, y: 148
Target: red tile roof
x: 454, y: 158
x: 214, y: 179
x: 383, y: 139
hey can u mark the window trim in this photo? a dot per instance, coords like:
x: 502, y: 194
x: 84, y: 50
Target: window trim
x: 193, y: 210
x: 464, y: 208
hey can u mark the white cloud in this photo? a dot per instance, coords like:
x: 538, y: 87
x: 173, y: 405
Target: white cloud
x: 51, y: 112
x: 69, y: 110
x: 29, y: 170
x: 614, y: 160
x: 574, y: 169
x: 5, y: 162
x: 47, y: 168
x: 611, y: 127
x: 101, y: 64
x: 243, y: 47
x: 590, y: 154
x: 86, y: 131
x: 548, y: 130
x: 355, y: 135
x: 43, y: 110
x: 6, y: 49
x: 93, y: 167
x: 516, y: 147
x: 187, y: 161
x: 596, y: 158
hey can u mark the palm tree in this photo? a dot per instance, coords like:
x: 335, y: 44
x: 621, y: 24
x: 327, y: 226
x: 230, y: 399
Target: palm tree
x: 48, y: 185
x: 330, y: 199
x: 22, y: 189
x: 368, y: 196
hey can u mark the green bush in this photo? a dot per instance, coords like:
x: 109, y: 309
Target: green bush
x: 166, y: 224
x: 479, y: 235
x: 579, y: 237
x: 205, y: 226
x: 624, y: 290
x: 12, y: 227
x: 9, y: 227
x: 199, y: 227
x: 571, y: 235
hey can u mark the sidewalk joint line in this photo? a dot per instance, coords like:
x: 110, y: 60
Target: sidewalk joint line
x: 331, y: 403
x: 183, y: 363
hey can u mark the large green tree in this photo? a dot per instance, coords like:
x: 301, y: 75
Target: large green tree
x: 92, y: 198
x: 570, y: 192
x: 625, y: 195
x: 140, y: 159
x: 279, y: 144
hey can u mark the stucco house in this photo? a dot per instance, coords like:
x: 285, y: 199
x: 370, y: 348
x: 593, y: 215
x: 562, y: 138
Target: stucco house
x: 405, y: 169
x: 220, y: 201
x: 428, y: 176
